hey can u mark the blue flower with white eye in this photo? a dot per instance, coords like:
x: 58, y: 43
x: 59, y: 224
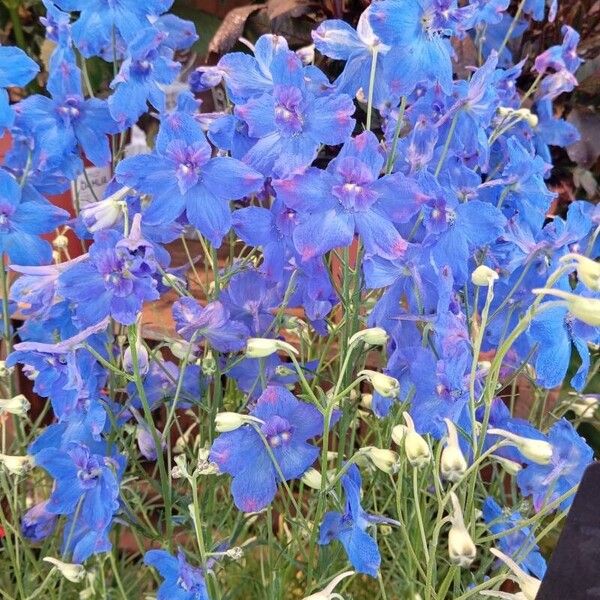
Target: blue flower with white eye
x: 181, y: 175
x: 116, y: 279
x: 512, y: 544
x: 182, y: 581
x: 287, y: 425
x: 570, y: 457
x: 348, y: 198
x: 350, y: 527
x: 148, y: 66
x: 16, y: 69
x: 22, y: 220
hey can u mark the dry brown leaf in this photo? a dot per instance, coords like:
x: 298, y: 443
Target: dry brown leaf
x: 232, y: 28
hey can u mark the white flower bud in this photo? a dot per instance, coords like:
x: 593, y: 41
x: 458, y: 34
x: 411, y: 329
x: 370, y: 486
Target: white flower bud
x: 383, y: 384
x: 182, y: 349
x: 460, y: 545
x: 312, y: 479
x: 60, y: 241
x: 366, y: 400
x: 582, y: 308
x: 17, y: 465
x: 585, y: 407
x: 526, y: 115
x: 588, y: 270
x: 510, y: 466
x: 263, y: 347
x: 374, y: 336
x: 538, y: 451
x: 228, y: 421
x: 172, y: 281
x: 398, y: 433
x: 70, y: 571
x: 382, y: 459
x: 327, y: 593
x: 483, y: 276
x: 530, y: 586
x: 452, y: 462
x: 18, y: 405
x: 415, y: 445
x: 4, y: 370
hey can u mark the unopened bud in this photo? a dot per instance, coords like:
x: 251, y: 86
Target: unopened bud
x: 582, y: 308
x: 382, y: 459
x: 172, y: 281
x: 17, y: 465
x: 312, y: 479
x: 374, y: 336
x: 585, y: 407
x: 182, y: 349
x: 483, y: 276
x: 263, y: 347
x: 453, y: 464
x: 18, y: 405
x: 460, y: 544
x: 512, y: 467
x: 60, y: 242
x: 327, y: 593
x: 530, y: 586
x: 537, y: 451
x: 229, y: 421
x: 366, y: 401
x: 415, y: 445
x: 71, y: 572
x: 383, y: 384
x: 588, y: 270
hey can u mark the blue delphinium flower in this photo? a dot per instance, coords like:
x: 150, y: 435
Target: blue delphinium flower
x: 513, y: 544
x: 570, y: 457
x: 38, y: 523
x: 22, y: 220
x: 287, y: 425
x: 86, y: 490
x: 290, y: 121
x: 339, y: 40
x: 181, y: 175
x: 16, y: 69
x: 182, y: 581
x: 350, y: 527
x: 149, y: 64
x: 67, y: 121
x: 212, y: 322
x: 347, y: 198
x: 115, y: 280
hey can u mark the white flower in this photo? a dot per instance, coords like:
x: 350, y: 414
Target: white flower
x: 18, y: 405
x: 483, y: 276
x: 70, y: 571
x: 538, y: 451
x: 452, y: 462
x: 263, y: 347
x: 106, y: 213
x: 460, y: 544
x: 415, y: 445
x: 327, y: 593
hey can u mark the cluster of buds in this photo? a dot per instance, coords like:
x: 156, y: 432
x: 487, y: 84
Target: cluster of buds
x: 519, y: 114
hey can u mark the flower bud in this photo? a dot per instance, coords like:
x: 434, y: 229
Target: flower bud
x: 17, y: 465
x: 366, y: 401
x: 584, y: 408
x: 460, y: 545
x: 582, y: 308
x: 374, y: 336
x: 284, y: 371
x: 70, y: 571
x: 4, y: 370
x: 263, y: 347
x: 229, y: 421
x: 530, y: 586
x: 209, y: 364
x: 385, y: 385
x: 512, y: 467
x: 143, y: 364
x: 327, y: 593
x: 452, y: 462
x: 182, y: 349
x: 588, y: 270
x: 382, y: 459
x: 415, y: 445
x: 170, y: 280
x: 483, y: 276
x: 18, y: 405
x: 60, y: 241
x: 537, y: 451
x: 312, y: 479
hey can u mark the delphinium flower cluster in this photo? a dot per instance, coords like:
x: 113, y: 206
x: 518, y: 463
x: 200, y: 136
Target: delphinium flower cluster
x: 373, y: 272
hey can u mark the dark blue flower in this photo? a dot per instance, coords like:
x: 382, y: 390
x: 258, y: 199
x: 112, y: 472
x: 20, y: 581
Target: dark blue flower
x: 287, y: 425
x: 181, y: 580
